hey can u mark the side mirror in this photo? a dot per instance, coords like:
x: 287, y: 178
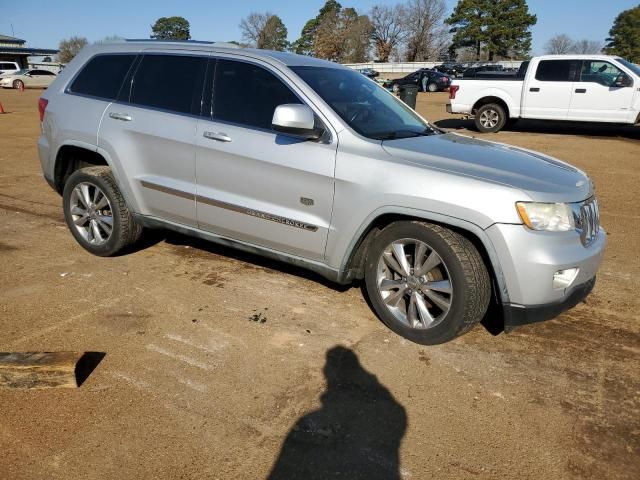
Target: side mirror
x: 295, y: 119
x: 623, y: 81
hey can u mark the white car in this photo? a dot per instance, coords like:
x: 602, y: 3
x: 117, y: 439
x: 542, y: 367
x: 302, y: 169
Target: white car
x: 8, y: 68
x: 28, y: 79
x: 588, y: 88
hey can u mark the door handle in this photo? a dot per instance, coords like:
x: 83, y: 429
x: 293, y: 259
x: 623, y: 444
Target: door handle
x: 220, y: 137
x: 581, y: 90
x: 534, y: 89
x: 120, y: 116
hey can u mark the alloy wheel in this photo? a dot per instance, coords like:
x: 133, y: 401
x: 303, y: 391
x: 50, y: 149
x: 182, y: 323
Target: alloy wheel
x: 489, y: 118
x: 414, y: 283
x: 91, y: 213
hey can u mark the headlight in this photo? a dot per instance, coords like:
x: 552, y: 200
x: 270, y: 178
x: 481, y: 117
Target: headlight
x: 550, y: 217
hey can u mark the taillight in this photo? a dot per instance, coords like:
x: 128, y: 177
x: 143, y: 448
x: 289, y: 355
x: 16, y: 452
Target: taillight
x: 452, y: 91
x: 42, y: 106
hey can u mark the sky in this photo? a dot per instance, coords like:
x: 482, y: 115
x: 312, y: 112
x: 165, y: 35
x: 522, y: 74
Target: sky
x: 44, y: 23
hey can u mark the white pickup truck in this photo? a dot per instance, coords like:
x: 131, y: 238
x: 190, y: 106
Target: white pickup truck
x: 586, y: 88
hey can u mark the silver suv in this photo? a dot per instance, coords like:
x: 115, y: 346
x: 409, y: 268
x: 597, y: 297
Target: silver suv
x: 311, y: 163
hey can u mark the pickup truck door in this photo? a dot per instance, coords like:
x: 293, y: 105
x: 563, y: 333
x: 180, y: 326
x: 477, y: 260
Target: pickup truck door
x: 253, y: 184
x: 602, y: 93
x: 547, y: 94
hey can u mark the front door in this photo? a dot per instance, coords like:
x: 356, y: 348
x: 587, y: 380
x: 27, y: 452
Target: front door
x: 548, y: 94
x: 150, y: 134
x: 254, y: 184
x: 596, y: 97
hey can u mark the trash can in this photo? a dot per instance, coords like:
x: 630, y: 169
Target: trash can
x: 408, y: 94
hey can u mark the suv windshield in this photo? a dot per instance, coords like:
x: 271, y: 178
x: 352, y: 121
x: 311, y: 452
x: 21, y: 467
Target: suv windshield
x: 367, y: 108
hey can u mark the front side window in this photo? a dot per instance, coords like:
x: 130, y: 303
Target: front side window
x: 597, y: 71
x: 154, y: 86
x: 102, y: 76
x: 631, y: 66
x: 364, y: 106
x: 557, y: 70
x: 247, y: 94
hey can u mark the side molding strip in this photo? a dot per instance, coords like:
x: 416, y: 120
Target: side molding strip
x: 232, y: 207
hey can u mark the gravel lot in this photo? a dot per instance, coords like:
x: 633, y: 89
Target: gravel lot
x: 223, y: 365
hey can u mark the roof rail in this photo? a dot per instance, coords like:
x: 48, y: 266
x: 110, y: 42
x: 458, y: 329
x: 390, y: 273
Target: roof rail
x: 167, y: 40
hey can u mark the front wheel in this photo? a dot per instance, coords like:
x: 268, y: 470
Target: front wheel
x: 96, y: 212
x: 490, y: 118
x: 427, y: 283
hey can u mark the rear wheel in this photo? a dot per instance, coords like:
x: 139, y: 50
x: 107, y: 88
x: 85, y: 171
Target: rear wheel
x: 18, y: 84
x: 490, y: 118
x: 96, y: 213
x: 426, y: 282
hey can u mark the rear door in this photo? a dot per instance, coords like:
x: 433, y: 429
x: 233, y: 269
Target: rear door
x: 150, y: 133
x: 596, y: 97
x: 254, y: 184
x: 548, y: 93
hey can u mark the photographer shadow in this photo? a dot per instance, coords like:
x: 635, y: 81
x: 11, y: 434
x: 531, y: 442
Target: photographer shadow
x: 356, y: 434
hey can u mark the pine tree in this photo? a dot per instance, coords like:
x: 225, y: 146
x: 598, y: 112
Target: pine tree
x: 305, y: 45
x: 624, y: 36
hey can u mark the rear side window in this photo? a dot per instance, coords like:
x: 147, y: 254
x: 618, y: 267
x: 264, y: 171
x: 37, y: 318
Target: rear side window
x: 248, y: 94
x: 557, y: 70
x: 154, y: 83
x: 102, y: 76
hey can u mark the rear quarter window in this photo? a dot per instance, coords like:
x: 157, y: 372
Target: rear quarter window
x: 102, y: 76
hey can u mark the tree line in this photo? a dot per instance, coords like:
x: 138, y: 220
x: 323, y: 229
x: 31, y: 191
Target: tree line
x: 413, y: 30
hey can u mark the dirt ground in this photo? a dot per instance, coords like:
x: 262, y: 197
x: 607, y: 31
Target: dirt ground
x: 224, y: 365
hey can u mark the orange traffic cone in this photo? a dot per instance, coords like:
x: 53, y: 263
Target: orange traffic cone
x: 1, y: 109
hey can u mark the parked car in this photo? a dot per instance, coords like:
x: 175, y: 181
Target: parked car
x: 28, y: 79
x: 587, y: 88
x: 451, y: 69
x: 308, y: 162
x: 427, y: 80
x: 369, y: 72
x: 7, y: 68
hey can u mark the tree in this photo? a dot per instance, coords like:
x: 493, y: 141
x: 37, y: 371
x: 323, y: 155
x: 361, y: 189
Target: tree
x: 388, y: 29
x: 624, y: 36
x: 264, y: 30
x: 306, y: 43
x: 499, y: 26
x: 559, y: 45
x: 171, y: 28
x: 586, y: 47
x: 70, y: 48
x: 342, y: 36
x: 427, y: 37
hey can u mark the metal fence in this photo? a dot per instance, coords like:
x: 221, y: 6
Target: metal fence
x: 402, y: 67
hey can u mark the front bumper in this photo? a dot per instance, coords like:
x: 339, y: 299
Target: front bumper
x: 516, y: 315
x: 528, y: 261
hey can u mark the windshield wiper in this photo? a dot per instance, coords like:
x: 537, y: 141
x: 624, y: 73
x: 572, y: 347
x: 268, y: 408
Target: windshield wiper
x: 398, y: 134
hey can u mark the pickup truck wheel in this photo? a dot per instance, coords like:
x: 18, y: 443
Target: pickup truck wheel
x: 96, y: 213
x: 426, y: 282
x: 490, y: 118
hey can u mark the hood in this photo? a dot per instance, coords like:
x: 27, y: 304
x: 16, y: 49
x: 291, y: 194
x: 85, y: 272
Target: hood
x: 543, y: 178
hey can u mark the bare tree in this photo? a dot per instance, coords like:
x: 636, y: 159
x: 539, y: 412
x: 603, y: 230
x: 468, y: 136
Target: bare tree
x: 253, y: 27
x: 70, y: 48
x: 388, y: 25
x: 427, y: 37
x: 587, y: 47
x: 559, y: 45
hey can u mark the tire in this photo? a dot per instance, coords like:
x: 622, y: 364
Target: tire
x: 432, y: 87
x: 457, y: 266
x: 83, y: 219
x: 18, y: 84
x: 490, y: 118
